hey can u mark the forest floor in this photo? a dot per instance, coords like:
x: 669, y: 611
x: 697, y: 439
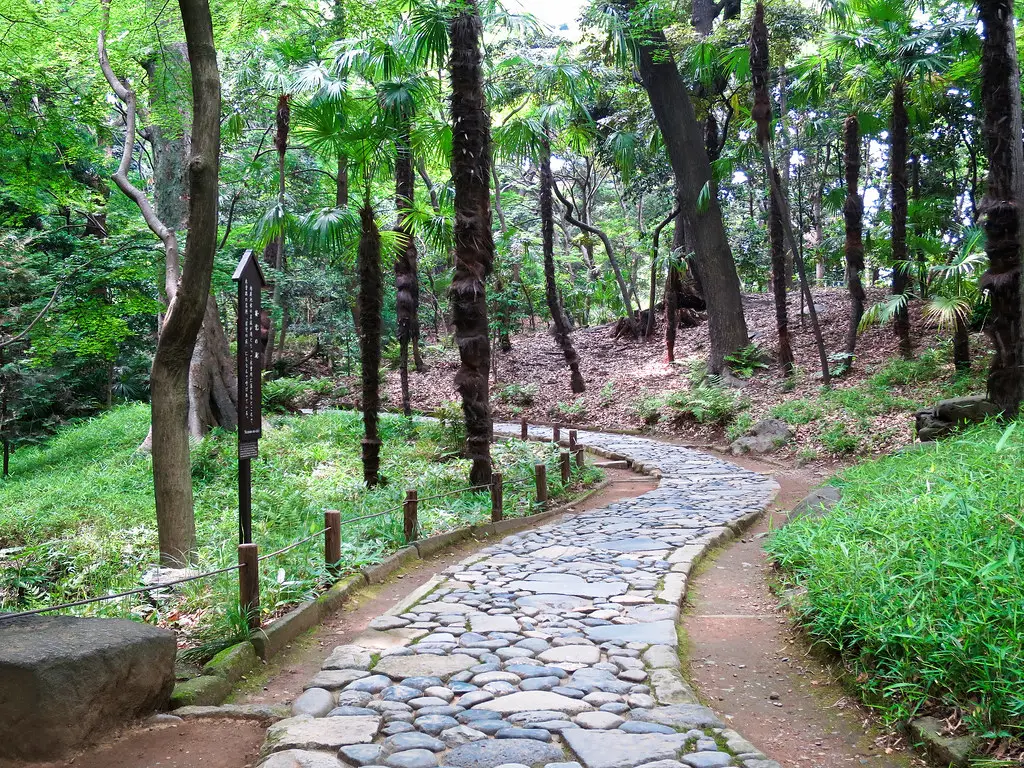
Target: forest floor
x: 870, y: 408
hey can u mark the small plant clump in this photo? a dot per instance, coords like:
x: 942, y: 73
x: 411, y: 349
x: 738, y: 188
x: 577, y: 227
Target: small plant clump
x: 518, y: 394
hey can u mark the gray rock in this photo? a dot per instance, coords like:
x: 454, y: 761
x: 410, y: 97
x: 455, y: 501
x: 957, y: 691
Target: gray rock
x: 461, y: 734
x: 400, y: 693
x: 349, y: 657
x: 635, y: 726
x: 413, y: 758
x: 491, y: 753
x: 413, y: 740
x: 652, y: 633
x: 707, y: 760
x: 301, y: 758
x: 371, y: 684
x: 764, y: 437
x: 350, y: 712
x: 325, y: 733
x: 315, y: 702
x: 434, y: 724
x: 680, y: 716
x: 816, y: 503
x: 537, y: 734
x: 361, y: 754
x: 443, y: 667
x: 66, y: 680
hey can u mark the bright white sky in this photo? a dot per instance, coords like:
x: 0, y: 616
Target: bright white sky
x: 554, y: 13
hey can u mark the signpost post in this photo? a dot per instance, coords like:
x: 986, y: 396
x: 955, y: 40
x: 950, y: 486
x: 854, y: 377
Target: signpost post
x: 250, y: 281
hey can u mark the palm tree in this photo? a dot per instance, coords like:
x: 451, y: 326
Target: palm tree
x: 474, y: 243
x: 1001, y: 209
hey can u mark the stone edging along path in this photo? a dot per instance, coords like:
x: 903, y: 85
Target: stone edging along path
x: 555, y: 647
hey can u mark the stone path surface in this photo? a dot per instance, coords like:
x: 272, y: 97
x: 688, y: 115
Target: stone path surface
x: 555, y: 648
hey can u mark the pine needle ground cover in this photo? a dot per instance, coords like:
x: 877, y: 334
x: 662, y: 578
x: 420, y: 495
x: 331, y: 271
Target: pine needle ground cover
x: 916, y: 579
x: 77, y: 517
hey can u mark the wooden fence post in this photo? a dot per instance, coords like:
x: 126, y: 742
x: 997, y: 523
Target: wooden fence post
x: 572, y: 440
x: 249, y: 584
x: 541, y: 478
x: 581, y: 459
x: 497, y: 498
x: 523, y: 429
x: 332, y: 540
x: 411, y: 524
x: 556, y: 433
x: 563, y: 459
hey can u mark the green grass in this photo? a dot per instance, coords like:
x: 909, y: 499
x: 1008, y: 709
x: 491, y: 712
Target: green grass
x: 917, y: 578
x: 77, y: 517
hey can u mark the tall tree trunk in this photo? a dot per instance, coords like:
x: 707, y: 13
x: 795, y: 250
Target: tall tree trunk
x: 762, y: 113
x: 284, y: 121
x: 503, y: 304
x: 474, y: 243
x: 187, y: 290
x: 649, y: 331
x: 961, y: 345
x: 371, y: 297
x: 560, y: 328
x: 853, y: 218
x: 684, y: 142
x: 406, y: 285
x: 779, y: 282
x: 1002, y: 208
x: 898, y: 175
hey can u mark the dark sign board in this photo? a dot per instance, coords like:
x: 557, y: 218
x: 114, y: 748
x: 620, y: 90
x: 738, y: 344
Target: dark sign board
x: 251, y: 346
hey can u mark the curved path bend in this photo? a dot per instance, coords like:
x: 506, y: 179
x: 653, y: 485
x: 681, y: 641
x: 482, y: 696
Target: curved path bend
x: 554, y: 648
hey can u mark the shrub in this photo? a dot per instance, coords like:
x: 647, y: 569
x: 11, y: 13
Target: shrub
x: 747, y: 361
x: 607, y: 394
x: 838, y: 439
x: 287, y: 395
x: 647, y: 409
x: 575, y: 409
x: 518, y: 394
x: 797, y: 411
x: 706, y: 404
x: 897, y: 373
x: 739, y: 427
x: 915, y: 578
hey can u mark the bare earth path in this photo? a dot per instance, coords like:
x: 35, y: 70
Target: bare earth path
x: 557, y: 645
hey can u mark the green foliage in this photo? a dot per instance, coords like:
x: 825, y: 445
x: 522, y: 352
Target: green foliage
x: 77, y: 517
x: 795, y: 412
x: 837, y: 438
x: 739, y: 426
x: 449, y: 429
x: 915, y: 578
x: 518, y: 394
x: 747, y: 361
x: 705, y: 403
x: 575, y: 409
x: 607, y: 394
x: 647, y: 409
x: 287, y: 395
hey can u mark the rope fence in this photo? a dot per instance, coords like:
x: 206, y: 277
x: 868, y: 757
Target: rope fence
x: 249, y: 558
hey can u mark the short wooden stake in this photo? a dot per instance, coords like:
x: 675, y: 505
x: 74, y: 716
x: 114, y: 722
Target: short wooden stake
x: 581, y: 459
x: 563, y: 459
x: 541, y: 477
x: 497, y: 498
x: 411, y: 524
x: 332, y: 540
x: 556, y: 433
x: 523, y: 429
x: 572, y: 439
x: 249, y: 584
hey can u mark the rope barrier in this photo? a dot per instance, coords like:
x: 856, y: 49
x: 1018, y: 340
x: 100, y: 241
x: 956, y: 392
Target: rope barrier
x: 291, y: 546
x: 454, y: 493
x: 87, y: 601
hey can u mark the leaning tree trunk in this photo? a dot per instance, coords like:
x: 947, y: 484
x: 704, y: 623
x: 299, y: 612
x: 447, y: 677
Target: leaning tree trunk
x: 655, y: 240
x: 560, y: 328
x: 779, y: 282
x: 474, y: 243
x: 371, y: 297
x: 406, y: 287
x: 684, y: 141
x: 1001, y: 208
x: 898, y: 174
x: 853, y: 218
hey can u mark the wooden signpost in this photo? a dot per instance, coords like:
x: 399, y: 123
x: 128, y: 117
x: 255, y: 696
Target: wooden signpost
x: 250, y: 281
x: 251, y: 346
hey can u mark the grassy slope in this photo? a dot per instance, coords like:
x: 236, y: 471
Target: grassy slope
x: 78, y: 520
x: 917, y: 578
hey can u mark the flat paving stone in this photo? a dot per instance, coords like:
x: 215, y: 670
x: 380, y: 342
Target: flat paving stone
x: 329, y: 733
x: 567, y: 584
x: 413, y: 758
x: 491, y: 753
x: 529, y: 701
x: 651, y: 633
x: 300, y: 758
x: 618, y: 749
x: 442, y: 667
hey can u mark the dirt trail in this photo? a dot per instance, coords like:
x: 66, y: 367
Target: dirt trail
x: 750, y: 666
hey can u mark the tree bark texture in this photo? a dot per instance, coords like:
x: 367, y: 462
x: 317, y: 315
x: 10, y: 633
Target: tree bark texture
x: 407, y: 290
x: 474, y: 243
x: 651, y: 299
x: 1001, y: 207
x: 898, y: 175
x: 371, y: 299
x: 684, y: 141
x: 559, y: 326
x: 779, y: 283
x: 172, y: 470
x: 853, y: 218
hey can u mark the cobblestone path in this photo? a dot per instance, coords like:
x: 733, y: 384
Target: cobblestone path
x: 554, y: 648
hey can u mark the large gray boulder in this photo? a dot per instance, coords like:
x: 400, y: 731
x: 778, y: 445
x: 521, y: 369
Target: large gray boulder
x: 65, y: 680
x: 764, y: 437
x: 946, y: 416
